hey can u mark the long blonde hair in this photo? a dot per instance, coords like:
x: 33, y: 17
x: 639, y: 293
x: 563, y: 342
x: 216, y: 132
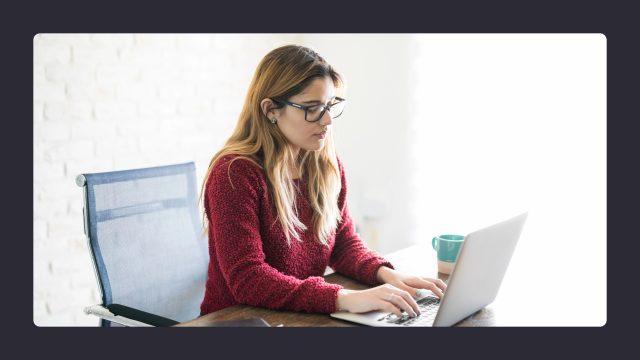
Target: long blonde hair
x: 281, y: 74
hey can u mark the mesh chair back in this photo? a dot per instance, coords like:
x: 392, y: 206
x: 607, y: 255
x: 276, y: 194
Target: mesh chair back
x: 146, y: 239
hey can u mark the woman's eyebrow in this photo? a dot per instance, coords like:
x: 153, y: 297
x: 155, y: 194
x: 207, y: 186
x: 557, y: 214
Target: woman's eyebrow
x: 316, y: 101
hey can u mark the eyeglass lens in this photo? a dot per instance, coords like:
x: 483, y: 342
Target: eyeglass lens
x: 315, y: 112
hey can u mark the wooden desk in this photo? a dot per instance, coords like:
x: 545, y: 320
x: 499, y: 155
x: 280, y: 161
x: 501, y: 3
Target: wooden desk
x: 417, y: 259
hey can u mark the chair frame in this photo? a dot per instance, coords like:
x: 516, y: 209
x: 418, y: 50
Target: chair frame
x: 116, y: 313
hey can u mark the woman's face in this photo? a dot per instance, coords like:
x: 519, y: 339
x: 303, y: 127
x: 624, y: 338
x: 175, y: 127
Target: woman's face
x: 301, y: 133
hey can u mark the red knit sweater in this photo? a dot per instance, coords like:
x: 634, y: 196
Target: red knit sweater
x: 250, y: 261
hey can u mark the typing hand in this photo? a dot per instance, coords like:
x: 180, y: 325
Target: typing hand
x: 411, y: 283
x: 384, y: 297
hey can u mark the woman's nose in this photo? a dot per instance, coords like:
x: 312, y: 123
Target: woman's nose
x: 326, y: 119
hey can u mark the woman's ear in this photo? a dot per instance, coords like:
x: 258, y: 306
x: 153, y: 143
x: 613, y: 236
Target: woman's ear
x: 266, y: 105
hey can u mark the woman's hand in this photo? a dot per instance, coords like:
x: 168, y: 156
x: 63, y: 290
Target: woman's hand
x: 384, y: 297
x: 410, y: 283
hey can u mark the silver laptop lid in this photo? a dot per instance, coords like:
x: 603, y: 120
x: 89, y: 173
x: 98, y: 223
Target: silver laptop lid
x: 479, y: 270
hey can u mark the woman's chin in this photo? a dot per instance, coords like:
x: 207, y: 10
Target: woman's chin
x: 314, y: 146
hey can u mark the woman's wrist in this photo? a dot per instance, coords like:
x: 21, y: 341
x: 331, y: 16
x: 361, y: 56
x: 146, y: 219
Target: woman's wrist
x: 341, y: 299
x: 382, y: 274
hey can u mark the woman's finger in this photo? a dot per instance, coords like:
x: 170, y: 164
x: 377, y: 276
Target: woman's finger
x: 399, y: 301
x: 412, y: 289
x: 439, y: 283
x: 408, y: 292
x: 390, y: 307
x: 431, y: 286
x: 410, y: 299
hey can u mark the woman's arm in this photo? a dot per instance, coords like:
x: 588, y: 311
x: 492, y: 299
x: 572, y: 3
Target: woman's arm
x: 233, y: 200
x: 352, y: 258
x: 350, y: 255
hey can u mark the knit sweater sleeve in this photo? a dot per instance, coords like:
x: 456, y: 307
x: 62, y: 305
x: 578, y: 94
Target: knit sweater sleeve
x: 233, y: 202
x: 350, y: 255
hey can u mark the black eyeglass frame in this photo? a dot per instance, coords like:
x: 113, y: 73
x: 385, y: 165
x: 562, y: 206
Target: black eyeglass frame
x: 306, y: 108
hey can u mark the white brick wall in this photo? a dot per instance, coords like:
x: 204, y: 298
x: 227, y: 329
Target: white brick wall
x: 107, y: 102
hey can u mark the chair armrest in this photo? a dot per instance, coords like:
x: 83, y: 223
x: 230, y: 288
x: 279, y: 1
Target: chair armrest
x: 128, y: 316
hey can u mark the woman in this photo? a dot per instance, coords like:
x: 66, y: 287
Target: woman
x: 275, y: 200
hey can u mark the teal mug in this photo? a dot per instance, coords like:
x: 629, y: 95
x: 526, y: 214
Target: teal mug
x: 447, y: 247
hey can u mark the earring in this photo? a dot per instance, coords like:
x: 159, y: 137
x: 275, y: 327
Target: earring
x: 273, y: 121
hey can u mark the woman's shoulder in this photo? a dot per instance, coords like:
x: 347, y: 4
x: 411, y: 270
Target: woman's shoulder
x: 245, y: 162
x: 234, y: 167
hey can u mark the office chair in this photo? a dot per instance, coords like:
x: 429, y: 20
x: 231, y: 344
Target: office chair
x: 145, y: 238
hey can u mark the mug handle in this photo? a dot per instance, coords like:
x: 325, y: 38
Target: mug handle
x: 434, y: 242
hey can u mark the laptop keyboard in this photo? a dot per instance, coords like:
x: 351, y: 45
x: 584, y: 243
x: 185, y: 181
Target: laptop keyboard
x: 428, y: 308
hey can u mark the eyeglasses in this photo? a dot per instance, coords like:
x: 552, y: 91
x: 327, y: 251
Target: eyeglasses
x: 314, y: 113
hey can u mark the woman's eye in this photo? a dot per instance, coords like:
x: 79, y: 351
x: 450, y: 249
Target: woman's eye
x: 313, y: 109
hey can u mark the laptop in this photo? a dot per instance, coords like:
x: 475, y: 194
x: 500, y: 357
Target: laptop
x: 472, y: 285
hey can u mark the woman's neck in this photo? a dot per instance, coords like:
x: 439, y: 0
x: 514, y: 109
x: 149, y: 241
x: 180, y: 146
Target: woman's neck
x: 295, y: 172
x: 295, y: 168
